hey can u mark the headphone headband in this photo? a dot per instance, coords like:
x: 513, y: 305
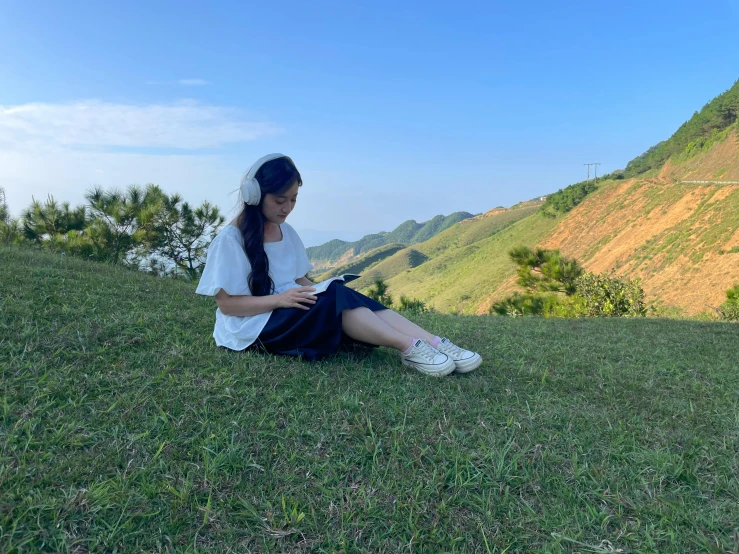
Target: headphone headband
x: 251, y: 192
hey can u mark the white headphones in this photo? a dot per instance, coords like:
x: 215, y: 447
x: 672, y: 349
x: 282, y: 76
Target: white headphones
x: 251, y: 192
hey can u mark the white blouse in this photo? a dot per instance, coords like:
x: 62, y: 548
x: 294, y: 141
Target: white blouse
x: 227, y: 267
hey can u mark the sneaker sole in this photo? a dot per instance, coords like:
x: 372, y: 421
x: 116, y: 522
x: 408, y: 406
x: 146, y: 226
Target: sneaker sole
x: 443, y: 371
x: 465, y: 366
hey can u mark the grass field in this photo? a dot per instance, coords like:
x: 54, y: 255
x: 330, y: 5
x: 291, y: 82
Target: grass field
x: 123, y: 429
x: 364, y: 262
x: 455, y: 243
x: 462, y: 278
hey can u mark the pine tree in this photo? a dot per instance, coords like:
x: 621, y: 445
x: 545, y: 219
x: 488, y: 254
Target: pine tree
x: 181, y: 234
x: 46, y: 221
x: 379, y: 292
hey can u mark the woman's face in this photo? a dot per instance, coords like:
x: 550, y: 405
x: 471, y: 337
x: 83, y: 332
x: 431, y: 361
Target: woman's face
x: 276, y: 207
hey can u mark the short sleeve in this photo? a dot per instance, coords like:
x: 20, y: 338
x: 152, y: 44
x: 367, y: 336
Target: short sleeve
x: 226, y: 266
x: 303, y: 265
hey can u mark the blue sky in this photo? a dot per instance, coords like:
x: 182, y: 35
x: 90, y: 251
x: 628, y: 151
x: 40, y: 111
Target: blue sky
x: 392, y: 111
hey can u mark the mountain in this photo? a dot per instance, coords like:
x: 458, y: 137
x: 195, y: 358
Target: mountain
x: 388, y: 261
x: 681, y: 239
x: 707, y: 127
x: 363, y: 262
x: 671, y: 218
x: 338, y: 252
x: 437, y: 270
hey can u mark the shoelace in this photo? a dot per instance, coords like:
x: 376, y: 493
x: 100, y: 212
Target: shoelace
x: 452, y: 350
x: 426, y: 352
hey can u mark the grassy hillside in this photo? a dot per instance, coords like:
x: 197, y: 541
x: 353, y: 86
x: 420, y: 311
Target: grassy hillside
x: 719, y: 161
x: 461, y: 235
x: 124, y: 429
x: 408, y: 232
x: 709, y: 125
x: 463, y: 279
x: 364, y: 262
x: 681, y: 239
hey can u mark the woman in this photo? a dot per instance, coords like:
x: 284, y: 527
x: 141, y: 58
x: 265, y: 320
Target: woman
x: 256, y: 270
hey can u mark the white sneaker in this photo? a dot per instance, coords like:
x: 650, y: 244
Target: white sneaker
x: 464, y: 360
x: 428, y: 360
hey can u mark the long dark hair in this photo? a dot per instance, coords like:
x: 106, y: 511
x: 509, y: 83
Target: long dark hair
x: 274, y: 177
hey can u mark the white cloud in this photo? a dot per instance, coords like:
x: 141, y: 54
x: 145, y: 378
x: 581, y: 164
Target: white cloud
x: 193, y: 82
x: 93, y: 123
x: 65, y: 149
x: 68, y: 174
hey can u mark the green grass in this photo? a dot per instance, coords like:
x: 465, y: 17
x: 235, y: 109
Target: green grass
x: 123, y: 429
x: 364, y: 262
x: 705, y: 230
x: 461, y: 278
x: 439, y: 271
x: 461, y: 234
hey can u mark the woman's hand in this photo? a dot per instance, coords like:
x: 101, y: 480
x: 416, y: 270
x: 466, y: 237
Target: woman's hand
x: 296, y: 298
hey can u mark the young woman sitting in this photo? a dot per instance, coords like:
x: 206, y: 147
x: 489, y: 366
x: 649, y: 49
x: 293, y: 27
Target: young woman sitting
x: 256, y: 269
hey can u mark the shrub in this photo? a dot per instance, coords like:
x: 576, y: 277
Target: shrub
x: 557, y: 287
x: 379, y: 292
x: 519, y: 304
x: 11, y: 232
x: 545, y: 305
x: 607, y: 296
x: 729, y: 310
x: 566, y: 306
x: 412, y: 305
x: 564, y: 200
x: 543, y: 270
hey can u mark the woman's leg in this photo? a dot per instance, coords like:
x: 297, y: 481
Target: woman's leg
x: 399, y: 323
x: 365, y: 325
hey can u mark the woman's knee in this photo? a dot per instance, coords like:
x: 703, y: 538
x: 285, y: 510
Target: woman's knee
x: 351, y: 315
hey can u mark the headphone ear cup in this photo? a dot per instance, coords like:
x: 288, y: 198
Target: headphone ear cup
x: 251, y: 193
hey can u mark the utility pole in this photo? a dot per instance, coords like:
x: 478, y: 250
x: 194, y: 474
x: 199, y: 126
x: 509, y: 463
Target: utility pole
x: 596, y: 171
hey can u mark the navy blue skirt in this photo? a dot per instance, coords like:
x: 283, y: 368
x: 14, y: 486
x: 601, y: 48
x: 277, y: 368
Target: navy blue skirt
x: 316, y: 333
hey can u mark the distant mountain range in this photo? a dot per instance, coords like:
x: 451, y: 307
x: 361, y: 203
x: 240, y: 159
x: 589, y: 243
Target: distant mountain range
x: 339, y: 252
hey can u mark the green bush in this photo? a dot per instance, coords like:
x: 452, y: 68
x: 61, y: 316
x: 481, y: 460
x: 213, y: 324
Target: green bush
x: 543, y: 270
x: 137, y: 228
x: 729, y: 310
x: 379, y: 292
x: 566, y: 199
x: 412, y: 305
x: 557, y: 287
x: 11, y: 232
x: 607, y: 296
x: 520, y: 304
x: 544, y: 305
x: 567, y: 306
